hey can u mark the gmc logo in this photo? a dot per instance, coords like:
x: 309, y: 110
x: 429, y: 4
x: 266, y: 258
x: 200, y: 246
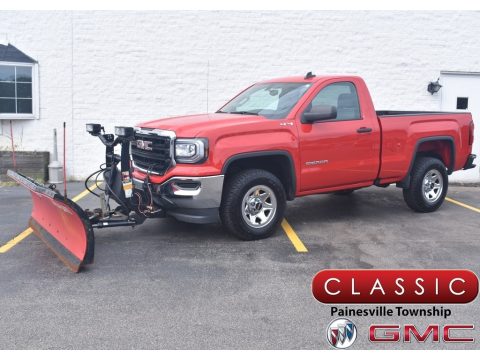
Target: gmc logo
x: 144, y: 145
x: 393, y: 333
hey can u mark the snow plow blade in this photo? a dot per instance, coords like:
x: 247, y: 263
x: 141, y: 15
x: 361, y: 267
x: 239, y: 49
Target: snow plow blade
x: 60, y: 223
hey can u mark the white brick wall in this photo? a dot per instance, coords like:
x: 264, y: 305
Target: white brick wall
x: 123, y: 67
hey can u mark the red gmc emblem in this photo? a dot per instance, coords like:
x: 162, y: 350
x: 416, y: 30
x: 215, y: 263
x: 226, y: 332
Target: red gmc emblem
x: 395, y: 286
x: 144, y: 145
x: 394, y: 332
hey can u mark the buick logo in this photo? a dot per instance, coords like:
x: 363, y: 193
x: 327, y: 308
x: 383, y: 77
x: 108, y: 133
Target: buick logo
x: 341, y: 333
x: 144, y: 145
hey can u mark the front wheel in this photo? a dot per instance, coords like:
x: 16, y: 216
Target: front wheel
x: 253, y: 204
x: 429, y: 185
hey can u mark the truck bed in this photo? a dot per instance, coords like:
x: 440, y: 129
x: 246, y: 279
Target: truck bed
x: 405, y: 133
x: 395, y: 113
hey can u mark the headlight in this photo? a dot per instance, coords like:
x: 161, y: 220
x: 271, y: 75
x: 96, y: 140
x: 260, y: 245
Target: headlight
x: 191, y: 151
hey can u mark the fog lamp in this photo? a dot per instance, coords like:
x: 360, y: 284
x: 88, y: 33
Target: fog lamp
x: 124, y: 131
x: 94, y: 129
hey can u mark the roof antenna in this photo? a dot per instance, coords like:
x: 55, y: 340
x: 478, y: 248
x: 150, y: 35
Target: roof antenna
x: 309, y: 75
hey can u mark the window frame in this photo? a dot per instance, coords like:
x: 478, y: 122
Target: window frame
x: 335, y: 120
x: 35, y: 115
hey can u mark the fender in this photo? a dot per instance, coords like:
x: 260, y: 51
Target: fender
x: 405, y: 183
x: 291, y: 191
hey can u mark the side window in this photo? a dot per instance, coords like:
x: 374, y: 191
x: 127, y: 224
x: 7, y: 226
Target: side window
x: 342, y: 96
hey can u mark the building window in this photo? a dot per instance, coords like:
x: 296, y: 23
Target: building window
x: 16, y: 89
x: 462, y: 103
x: 18, y: 84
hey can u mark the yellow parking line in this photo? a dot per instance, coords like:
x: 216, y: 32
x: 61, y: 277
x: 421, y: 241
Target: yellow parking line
x: 11, y: 243
x: 292, y: 235
x: 85, y: 192
x: 15, y: 240
x: 459, y: 203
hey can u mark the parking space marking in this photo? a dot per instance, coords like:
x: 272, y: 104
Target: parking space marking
x: 292, y: 235
x: 15, y: 240
x: 25, y: 233
x: 459, y: 203
x: 85, y: 192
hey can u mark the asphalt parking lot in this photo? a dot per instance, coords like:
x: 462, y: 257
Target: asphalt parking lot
x: 169, y: 285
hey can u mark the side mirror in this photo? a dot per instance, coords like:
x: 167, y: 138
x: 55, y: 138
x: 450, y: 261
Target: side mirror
x: 320, y: 113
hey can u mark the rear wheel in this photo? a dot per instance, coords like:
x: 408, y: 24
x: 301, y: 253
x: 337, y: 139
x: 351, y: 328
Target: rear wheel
x: 428, y: 186
x: 253, y: 204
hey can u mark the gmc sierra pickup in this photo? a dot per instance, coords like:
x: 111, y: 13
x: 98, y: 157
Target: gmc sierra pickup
x: 276, y: 140
x: 291, y: 137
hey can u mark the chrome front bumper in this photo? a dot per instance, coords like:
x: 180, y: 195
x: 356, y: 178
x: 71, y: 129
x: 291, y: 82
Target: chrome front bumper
x: 194, y: 192
x: 190, y: 199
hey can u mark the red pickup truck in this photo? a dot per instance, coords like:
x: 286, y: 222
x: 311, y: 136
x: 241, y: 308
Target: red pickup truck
x: 276, y: 140
x: 296, y: 136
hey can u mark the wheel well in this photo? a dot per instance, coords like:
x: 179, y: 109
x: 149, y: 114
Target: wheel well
x: 279, y: 165
x: 440, y: 149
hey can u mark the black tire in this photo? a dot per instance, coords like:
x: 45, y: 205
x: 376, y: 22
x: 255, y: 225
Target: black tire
x: 415, y: 196
x: 232, y: 209
x: 344, y: 192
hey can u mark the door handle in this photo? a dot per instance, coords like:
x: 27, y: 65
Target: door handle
x: 364, y: 129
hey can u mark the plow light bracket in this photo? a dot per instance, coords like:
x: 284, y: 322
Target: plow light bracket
x: 124, y: 132
x: 94, y: 129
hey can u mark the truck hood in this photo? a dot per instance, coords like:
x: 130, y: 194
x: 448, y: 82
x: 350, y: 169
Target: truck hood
x: 204, y: 124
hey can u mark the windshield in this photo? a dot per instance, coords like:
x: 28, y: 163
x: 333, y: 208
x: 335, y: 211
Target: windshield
x: 271, y: 100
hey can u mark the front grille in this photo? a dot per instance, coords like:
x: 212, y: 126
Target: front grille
x: 157, y: 160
